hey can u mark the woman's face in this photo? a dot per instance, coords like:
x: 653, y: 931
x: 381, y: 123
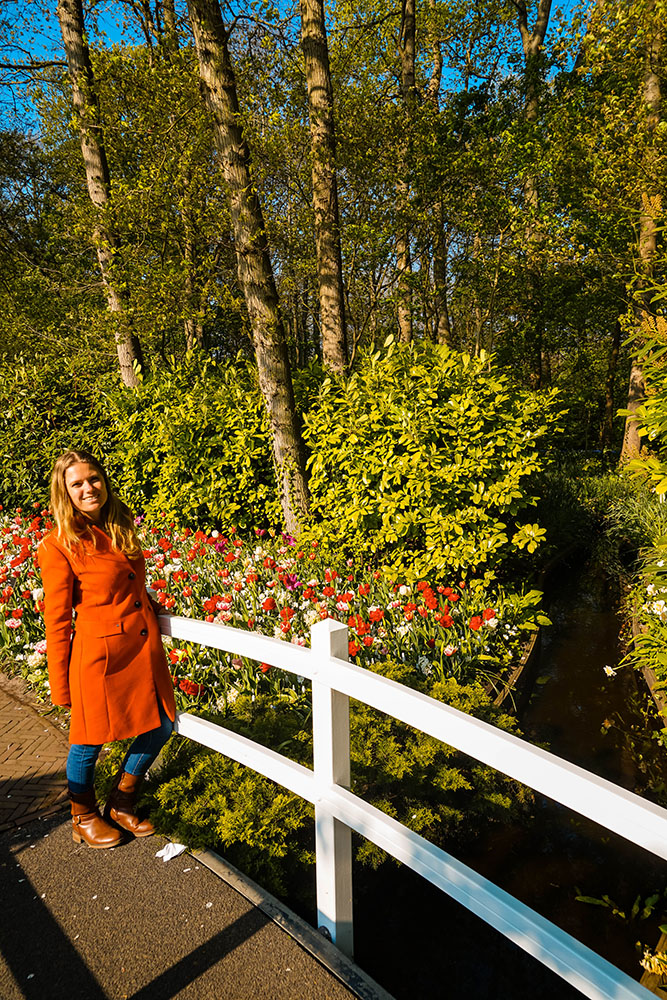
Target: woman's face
x: 86, y: 489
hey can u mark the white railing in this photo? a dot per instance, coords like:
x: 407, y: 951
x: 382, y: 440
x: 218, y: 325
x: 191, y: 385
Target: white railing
x: 338, y: 811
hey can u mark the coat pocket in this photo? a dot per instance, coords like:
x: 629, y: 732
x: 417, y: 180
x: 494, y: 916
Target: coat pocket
x: 98, y: 629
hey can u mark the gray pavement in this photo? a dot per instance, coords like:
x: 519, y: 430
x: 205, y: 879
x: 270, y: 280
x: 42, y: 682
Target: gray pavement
x: 121, y: 924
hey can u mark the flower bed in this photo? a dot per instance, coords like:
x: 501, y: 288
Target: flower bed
x: 442, y: 639
x: 271, y: 585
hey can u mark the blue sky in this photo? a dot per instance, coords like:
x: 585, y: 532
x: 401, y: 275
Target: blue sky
x: 29, y: 29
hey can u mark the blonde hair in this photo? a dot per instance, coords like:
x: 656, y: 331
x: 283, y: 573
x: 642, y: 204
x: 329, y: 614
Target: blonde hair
x: 115, y: 517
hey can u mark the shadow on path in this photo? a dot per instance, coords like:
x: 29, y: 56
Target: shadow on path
x: 31, y: 940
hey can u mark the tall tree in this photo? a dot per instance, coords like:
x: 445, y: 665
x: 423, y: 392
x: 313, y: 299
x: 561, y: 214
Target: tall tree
x: 86, y: 106
x: 650, y: 207
x: 325, y: 187
x: 442, y: 328
x: 255, y: 271
x: 406, y: 47
x: 532, y: 41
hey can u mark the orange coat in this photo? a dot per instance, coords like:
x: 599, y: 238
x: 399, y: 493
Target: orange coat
x: 111, y: 666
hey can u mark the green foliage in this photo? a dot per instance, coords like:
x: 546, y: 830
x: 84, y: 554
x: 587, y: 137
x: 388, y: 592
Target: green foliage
x: 422, y: 782
x: 194, y: 446
x: 205, y: 799
x: 424, y: 459
x: 576, y: 497
x: 637, y: 519
x: 641, y: 908
x: 650, y: 342
x: 44, y: 409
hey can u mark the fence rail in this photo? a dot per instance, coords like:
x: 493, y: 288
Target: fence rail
x: 338, y: 811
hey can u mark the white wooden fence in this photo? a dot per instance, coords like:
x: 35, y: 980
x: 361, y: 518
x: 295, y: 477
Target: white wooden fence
x: 338, y: 811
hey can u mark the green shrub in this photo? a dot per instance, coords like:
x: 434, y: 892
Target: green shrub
x: 637, y: 518
x: 205, y: 799
x: 44, y: 409
x: 194, y: 446
x: 576, y: 498
x: 424, y: 459
x: 650, y: 345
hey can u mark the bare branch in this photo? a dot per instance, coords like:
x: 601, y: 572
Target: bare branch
x: 31, y: 67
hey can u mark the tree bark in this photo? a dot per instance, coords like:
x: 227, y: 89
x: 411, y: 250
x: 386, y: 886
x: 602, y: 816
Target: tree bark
x: 252, y: 256
x: 86, y: 106
x: 636, y: 392
x: 648, y: 234
x: 325, y: 188
x: 406, y: 48
x: 443, y: 330
x: 532, y: 41
x: 169, y: 36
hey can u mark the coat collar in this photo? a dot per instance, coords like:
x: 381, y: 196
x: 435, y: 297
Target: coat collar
x: 105, y: 548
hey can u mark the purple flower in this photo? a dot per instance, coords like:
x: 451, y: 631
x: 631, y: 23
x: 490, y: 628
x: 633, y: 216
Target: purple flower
x: 291, y: 581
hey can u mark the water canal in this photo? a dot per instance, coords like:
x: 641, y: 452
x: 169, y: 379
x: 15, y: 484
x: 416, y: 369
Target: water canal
x: 419, y: 944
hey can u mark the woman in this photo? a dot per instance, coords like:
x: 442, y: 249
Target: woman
x: 110, y: 666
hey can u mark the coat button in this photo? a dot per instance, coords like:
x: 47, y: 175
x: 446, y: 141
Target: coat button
x: 144, y: 631
x: 131, y: 576
x: 137, y: 604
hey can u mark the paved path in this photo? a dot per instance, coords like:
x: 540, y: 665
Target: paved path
x: 80, y: 924
x: 32, y: 762
x: 124, y: 925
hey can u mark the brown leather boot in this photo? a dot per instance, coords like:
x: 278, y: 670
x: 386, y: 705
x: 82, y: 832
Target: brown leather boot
x: 88, y: 825
x: 120, y: 807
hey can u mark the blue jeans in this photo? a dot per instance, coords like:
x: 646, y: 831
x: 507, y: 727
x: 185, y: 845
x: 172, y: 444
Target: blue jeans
x: 145, y: 748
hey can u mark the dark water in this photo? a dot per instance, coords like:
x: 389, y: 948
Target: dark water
x: 419, y: 944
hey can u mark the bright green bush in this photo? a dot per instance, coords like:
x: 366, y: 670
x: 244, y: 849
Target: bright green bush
x: 424, y: 459
x: 46, y: 408
x: 194, y: 446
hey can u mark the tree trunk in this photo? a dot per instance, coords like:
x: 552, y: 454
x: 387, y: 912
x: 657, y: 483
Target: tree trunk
x: 443, y: 330
x: 406, y: 47
x: 252, y: 256
x: 325, y: 189
x: 532, y: 41
x: 631, y: 440
x: 648, y: 234
x: 404, y: 266
x: 170, y: 33
x: 86, y: 106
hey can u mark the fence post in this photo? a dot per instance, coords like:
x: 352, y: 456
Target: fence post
x: 331, y: 759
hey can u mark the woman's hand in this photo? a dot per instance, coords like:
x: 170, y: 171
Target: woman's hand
x: 157, y: 608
